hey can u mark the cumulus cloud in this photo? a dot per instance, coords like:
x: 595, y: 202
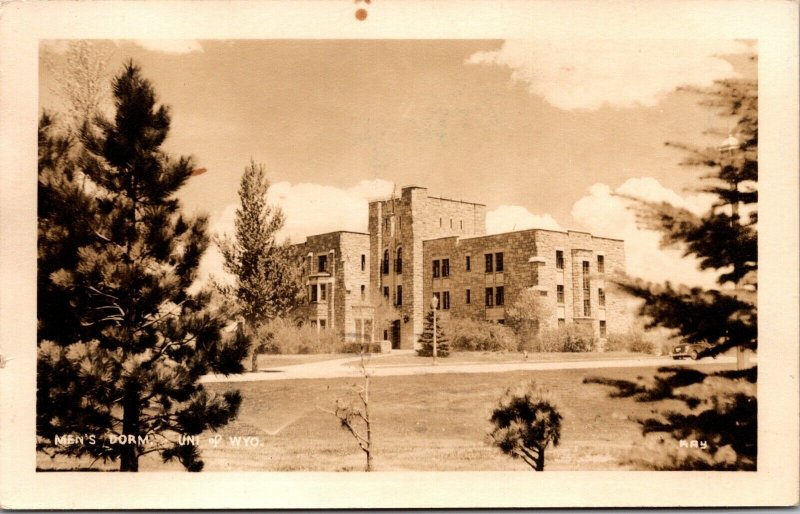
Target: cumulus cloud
x: 309, y: 209
x: 508, y: 218
x: 587, y: 75
x: 171, y: 46
x: 607, y: 215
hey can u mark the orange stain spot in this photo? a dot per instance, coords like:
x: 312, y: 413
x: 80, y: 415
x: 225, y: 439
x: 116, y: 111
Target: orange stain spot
x: 361, y: 14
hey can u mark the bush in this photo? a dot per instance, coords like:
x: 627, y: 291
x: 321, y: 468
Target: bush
x: 469, y: 335
x: 361, y: 347
x: 283, y: 336
x: 570, y: 338
x: 630, y: 341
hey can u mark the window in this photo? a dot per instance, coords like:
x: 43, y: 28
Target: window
x: 445, y: 267
x: 314, y: 323
x: 398, y: 262
x: 468, y: 264
x: 440, y: 222
x: 562, y: 322
x: 542, y: 293
x: 363, y: 262
x: 363, y: 292
x: 559, y: 259
x: 498, y: 266
x: 322, y: 324
x: 313, y: 292
x: 586, y: 276
x: 560, y: 294
x: 500, y: 296
x: 399, y: 297
x: 535, y: 274
x: 385, y: 262
x: 435, y: 269
x: 386, y: 292
x: 489, y: 297
x: 601, y: 297
x: 359, y: 330
x: 602, y: 328
x: 322, y: 263
x: 446, y: 300
x: 323, y: 292
x: 587, y: 304
x: 438, y: 297
x: 468, y: 297
x: 451, y: 223
x: 461, y: 225
x: 488, y: 263
x: 601, y: 264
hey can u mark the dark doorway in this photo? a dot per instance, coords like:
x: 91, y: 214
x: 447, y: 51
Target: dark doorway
x: 396, y: 334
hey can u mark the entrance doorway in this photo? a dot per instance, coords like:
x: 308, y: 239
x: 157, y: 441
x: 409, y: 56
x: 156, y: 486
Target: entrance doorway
x: 395, y: 334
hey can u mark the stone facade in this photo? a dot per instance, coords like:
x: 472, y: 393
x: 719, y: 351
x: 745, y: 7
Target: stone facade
x: 569, y: 271
x: 336, y: 269
x: 398, y: 228
x: 387, y: 277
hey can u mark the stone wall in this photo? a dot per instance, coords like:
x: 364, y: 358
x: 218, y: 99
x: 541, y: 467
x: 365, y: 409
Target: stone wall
x: 424, y: 228
x: 529, y: 262
x: 405, y: 222
x: 343, y: 280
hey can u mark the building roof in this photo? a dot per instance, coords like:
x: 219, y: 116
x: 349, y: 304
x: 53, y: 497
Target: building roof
x: 456, y: 201
x: 526, y: 230
x: 332, y: 233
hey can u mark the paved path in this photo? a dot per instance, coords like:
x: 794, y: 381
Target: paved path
x: 338, y: 368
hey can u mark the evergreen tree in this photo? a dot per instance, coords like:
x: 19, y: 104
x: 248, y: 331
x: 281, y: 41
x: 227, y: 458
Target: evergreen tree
x: 121, y: 341
x: 525, y: 422
x: 724, y: 404
x: 426, y: 339
x: 268, y: 279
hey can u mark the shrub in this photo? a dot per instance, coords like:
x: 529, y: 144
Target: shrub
x: 570, y: 338
x: 469, y: 335
x: 361, y: 347
x: 285, y: 337
x: 631, y: 341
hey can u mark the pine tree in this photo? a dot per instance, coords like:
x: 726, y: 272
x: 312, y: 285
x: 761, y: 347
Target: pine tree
x: 525, y: 422
x: 724, y: 403
x: 268, y: 279
x: 426, y: 338
x: 121, y: 341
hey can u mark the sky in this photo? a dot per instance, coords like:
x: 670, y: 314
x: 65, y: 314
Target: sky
x: 542, y: 132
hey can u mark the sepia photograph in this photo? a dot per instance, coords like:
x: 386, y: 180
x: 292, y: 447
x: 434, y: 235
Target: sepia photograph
x: 392, y: 255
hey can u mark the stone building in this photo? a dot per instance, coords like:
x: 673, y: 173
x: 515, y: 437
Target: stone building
x: 379, y: 285
x: 336, y: 269
x: 479, y: 277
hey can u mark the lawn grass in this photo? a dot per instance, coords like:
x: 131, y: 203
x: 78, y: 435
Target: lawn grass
x: 420, y: 422
x: 269, y: 360
x: 406, y: 359
x: 429, y: 422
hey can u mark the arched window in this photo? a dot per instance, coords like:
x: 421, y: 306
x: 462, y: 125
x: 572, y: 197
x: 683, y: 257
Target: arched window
x: 398, y: 262
x: 385, y: 263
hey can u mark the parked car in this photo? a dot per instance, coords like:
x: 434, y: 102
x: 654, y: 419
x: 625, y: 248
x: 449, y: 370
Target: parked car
x: 692, y: 350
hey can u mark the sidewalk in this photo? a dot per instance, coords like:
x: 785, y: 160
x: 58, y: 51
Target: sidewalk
x: 338, y: 368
